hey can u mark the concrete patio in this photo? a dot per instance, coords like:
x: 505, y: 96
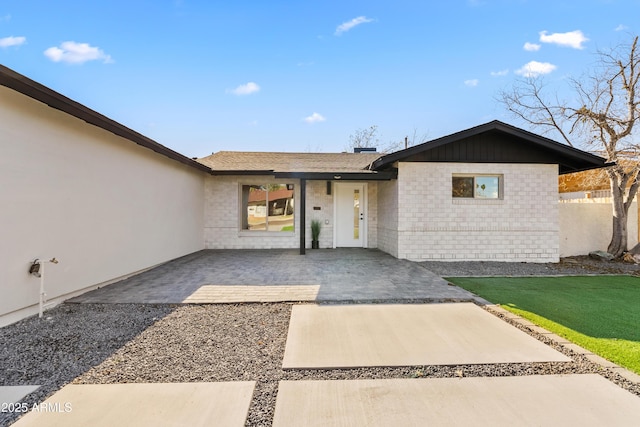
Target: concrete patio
x: 223, y: 276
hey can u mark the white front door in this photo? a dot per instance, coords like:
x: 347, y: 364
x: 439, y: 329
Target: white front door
x: 350, y: 210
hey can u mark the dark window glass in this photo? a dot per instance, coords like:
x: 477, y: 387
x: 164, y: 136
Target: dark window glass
x: 268, y: 207
x: 462, y: 186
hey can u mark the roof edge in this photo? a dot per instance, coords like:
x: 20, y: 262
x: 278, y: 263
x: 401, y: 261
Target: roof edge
x: 384, y: 161
x: 56, y: 100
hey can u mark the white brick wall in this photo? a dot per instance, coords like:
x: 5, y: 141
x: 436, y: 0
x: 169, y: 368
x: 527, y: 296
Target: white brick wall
x: 522, y: 226
x: 317, y: 197
x: 388, y: 217
x: 414, y: 217
x: 222, y: 215
x: 372, y: 214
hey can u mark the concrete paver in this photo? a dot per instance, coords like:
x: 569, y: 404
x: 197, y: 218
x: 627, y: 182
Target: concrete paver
x: 343, y: 336
x: 332, y: 274
x: 187, y: 404
x: 584, y: 400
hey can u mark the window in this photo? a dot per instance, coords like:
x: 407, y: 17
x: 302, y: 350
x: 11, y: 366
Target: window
x: 268, y: 207
x: 476, y: 186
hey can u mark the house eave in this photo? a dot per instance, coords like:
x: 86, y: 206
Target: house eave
x: 53, y: 99
x: 571, y: 159
x: 252, y: 172
x: 341, y: 176
x: 314, y: 176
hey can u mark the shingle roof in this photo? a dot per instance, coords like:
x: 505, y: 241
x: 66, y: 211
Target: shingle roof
x: 290, y: 162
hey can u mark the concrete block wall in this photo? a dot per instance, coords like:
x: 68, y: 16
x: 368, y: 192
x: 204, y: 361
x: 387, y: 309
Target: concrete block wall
x: 387, y: 228
x: 317, y: 197
x: 222, y: 216
x: 521, y: 226
x: 372, y: 214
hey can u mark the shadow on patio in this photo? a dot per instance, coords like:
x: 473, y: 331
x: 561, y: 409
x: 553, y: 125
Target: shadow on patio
x: 224, y: 276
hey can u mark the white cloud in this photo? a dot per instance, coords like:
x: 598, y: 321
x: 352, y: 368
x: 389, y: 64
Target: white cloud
x: 531, y: 47
x: 535, y: 69
x: 573, y: 39
x: 621, y: 27
x: 12, y: 41
x: 500, y: 73
x: 5, y: 18
x: 346, y: 26
x: 471, y: 82
x: 76, y: 53
x: 246, y: 89
x: 314, y: 118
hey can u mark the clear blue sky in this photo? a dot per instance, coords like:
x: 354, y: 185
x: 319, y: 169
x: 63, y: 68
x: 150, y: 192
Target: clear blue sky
x: 204, y: 76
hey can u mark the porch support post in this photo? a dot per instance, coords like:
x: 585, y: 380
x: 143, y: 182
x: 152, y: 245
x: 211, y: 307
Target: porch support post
x: 303, y: 214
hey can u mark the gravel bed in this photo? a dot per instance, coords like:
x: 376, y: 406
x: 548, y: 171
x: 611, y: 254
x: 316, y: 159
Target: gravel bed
x: 118, y: 343
x: 69, y: 340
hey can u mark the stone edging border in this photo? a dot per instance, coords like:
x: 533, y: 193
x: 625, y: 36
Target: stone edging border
x: 563, y: 342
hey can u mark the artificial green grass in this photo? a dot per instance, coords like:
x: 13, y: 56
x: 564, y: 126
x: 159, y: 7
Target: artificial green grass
x: 599, y: 313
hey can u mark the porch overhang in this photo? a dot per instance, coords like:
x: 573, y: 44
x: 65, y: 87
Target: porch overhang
x: 385, y: 175
x: 341, y: 176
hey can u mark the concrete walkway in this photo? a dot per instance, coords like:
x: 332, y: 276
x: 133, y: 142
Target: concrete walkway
x: 220, y: 276
x: 352, y: 336
x: 175, y: 404
x: 541, y: 400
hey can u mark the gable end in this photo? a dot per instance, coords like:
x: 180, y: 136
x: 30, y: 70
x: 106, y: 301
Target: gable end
x: 495, y: 142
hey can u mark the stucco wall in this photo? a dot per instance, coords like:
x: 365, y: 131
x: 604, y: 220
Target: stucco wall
x: 586, y: 227
x: 522, y: 226
x: 102, y: 205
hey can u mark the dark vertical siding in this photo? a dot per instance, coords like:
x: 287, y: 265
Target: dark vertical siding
x: 490, y: 147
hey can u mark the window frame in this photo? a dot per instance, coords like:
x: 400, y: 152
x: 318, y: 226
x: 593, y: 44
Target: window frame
x: 500, y: 178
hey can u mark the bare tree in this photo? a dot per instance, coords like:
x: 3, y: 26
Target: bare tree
x: 415, y: 138
x: 409, y: 140
x: 601, y: 118
x: 369, y: 138
x: 364, y: 138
